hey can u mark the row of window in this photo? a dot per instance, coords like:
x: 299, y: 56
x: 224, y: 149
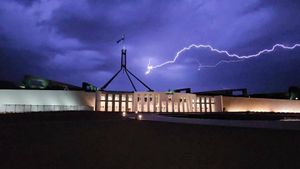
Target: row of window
x: 124, y: 102
x: 165, y: 107
x: 205, y: 100
x: 208, y: 107
x: 151, y: 98
x: 116, y: 106
x: 116, y: 97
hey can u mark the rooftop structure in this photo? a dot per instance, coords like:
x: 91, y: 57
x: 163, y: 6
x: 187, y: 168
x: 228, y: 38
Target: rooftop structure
x: 228, y: 92
x: 126, y: 70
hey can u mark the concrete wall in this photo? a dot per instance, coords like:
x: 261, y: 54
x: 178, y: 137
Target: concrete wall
x: 159, y: 98
x: 242, y: 104
x: 57, y: 100
x: 45, y: 100
x: 218, y: 103
x: 104, y: 100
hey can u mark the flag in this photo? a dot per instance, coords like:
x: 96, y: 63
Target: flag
x: 123, y: 38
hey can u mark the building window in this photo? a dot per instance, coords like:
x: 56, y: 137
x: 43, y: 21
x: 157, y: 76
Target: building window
x: 202, y: 107
x: 102, y: 106
x: 130, y: 98
x: 110, y: 97
x: 138, y: 99
x: 145, y: 99
x: 123, y: 106
x: 123, y: 97
x: 207, y: 100
x: 207, y: 108
x: 116, y: 107
x: 109, y: 106
x: 117, y: 97
x: 202, y: 100
x: 198, y: 107
x: 129, y: 109
x: 102, y: 97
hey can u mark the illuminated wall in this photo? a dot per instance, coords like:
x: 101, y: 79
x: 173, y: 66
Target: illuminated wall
x: 114, y: 101
x: 242, y: 104
x: 57, y: 100
x: 207, y: 104
x: 50, y: 100
x: 164, y: 102
x: 167, y: 102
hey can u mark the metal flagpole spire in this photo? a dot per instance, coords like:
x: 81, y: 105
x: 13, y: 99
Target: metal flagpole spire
x: 124, y: 68
x: 122, y: 40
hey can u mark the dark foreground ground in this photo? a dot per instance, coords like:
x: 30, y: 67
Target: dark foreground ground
x: 97, y: 140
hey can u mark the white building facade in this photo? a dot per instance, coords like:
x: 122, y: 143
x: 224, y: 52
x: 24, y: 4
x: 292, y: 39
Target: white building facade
x: 14, y: 101
x: 168, y: 102
x: 20, y: 100
x: 160, y: 102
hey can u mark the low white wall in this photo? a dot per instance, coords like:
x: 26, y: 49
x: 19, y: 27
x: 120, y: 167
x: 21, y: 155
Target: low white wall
x: 45, y: 100
x: 242, y: 104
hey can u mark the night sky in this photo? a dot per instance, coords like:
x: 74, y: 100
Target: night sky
x: 75, y: 41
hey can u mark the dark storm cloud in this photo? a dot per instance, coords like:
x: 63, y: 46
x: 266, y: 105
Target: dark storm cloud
x: 284, y: 28
x: 74, y: 41
x: 27, y: 2
x: 104, y: 21
x: 16, y: 63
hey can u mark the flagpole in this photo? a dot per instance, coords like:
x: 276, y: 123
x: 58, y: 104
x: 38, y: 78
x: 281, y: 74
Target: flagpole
x: 124, y: 68
x: 123, y: 41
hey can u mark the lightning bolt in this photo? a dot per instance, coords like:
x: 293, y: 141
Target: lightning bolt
x: 217, y: 64
x: 212, y: 49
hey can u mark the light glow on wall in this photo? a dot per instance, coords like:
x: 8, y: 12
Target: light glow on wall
x: 241, y: 104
